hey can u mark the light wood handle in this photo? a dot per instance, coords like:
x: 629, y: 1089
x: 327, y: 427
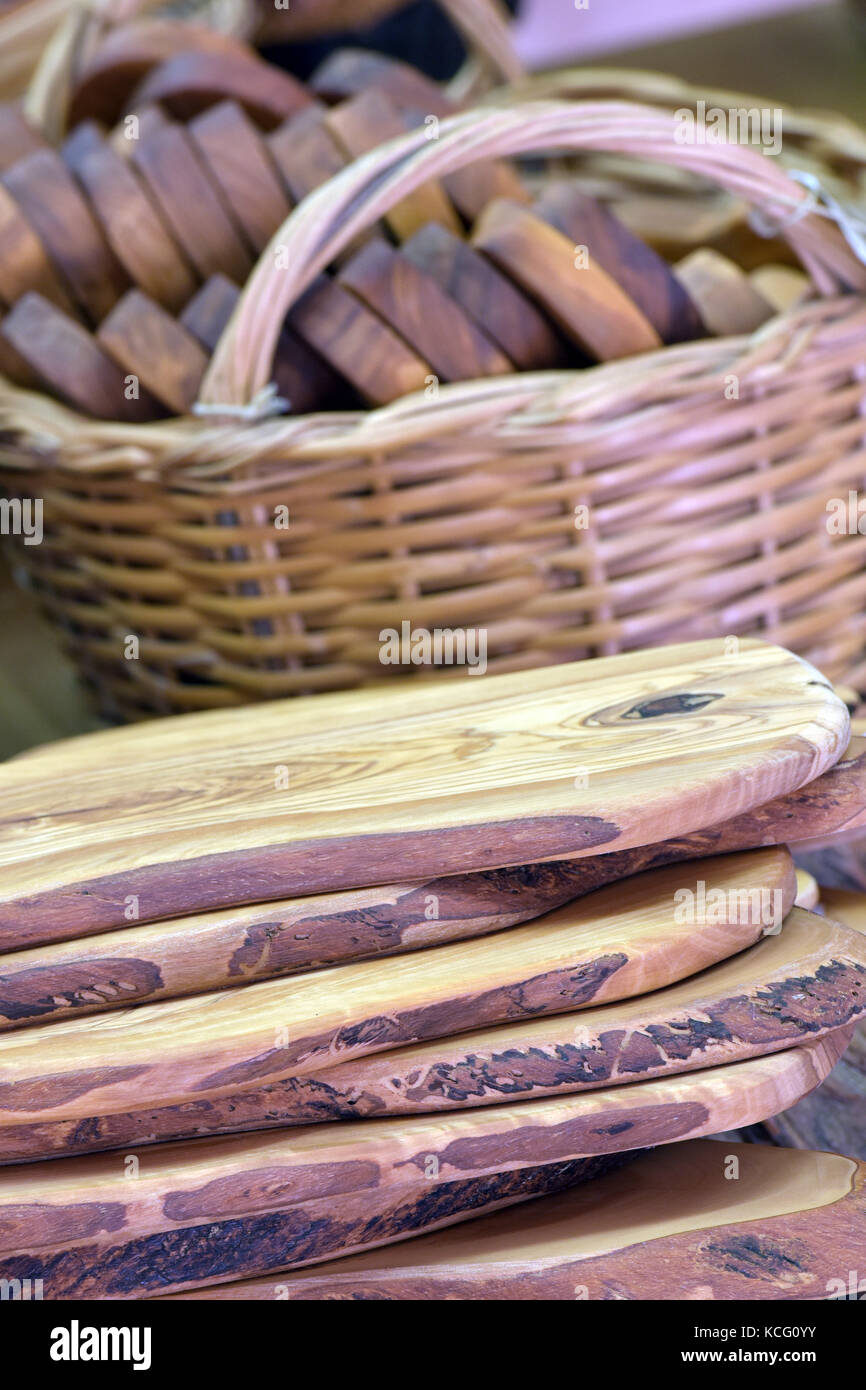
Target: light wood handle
x: 332, y: 216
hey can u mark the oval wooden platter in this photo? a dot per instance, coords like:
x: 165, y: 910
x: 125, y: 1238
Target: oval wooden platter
x: 125, y: 56
x: 491, y: 300
x: 239, y: 162
x: 135, y: 229
x: 357, y: 343
x: 621, y: 940
x: 835, y: 1118
x: 350, y: 71
x: 189, y: 83
x: 588, y: 304
x: 807, y: 981
x: 237, y: 945
x: 190, y: 203
x: 71, y: 363
x: 566, y: 760
x: 305, y: 151
x: 53, y: 204
x: 625, y: 940
x: 367, y: 121
x: 671, y: 1224
x: 197, y: 1214
x: 639, y: 270
x: 147, y: 342
x: 431, y: 322
x: 24, y: 263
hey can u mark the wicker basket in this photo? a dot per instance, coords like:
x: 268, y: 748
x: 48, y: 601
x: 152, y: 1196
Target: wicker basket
x: 706, y: 514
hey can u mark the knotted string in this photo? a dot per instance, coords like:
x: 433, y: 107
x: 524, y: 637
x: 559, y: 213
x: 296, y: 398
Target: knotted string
x: 264, y: 405
x: 851, y: 222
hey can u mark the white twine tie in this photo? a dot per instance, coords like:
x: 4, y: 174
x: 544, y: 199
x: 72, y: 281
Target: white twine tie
x: 264, y: 405
x: 850, y: 221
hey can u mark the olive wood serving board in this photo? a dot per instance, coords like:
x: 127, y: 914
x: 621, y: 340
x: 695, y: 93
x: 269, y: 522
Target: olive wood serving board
x: 240, y: 164
x: 612, y: 943
x: 54, y: 205
x: 835, y: 1117
x: 490, y: 299
x: 588, y: 304
x: 569, y: 760
x: 191, y: 204
x: 357, y: 343
x: 305, y: 152
x: 350, y: 71
x: 807, y: 980
x: 71, y: 363
x: 426, y: 317
x: 24, y: 263
x: 625, y: 940
x: 301, y: 376
x: 189, y: 83
x: 125, y: 55
x: 235, y: 946
x: 222, y: 1209
x: 136, y: 231
x: 147, y: 342
x: 367, y: 121
x: 670, y: 1224
x: 637, y: 268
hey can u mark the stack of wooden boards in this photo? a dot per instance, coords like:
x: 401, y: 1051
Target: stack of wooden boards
x: 514, y: 933
x: 123, y: 253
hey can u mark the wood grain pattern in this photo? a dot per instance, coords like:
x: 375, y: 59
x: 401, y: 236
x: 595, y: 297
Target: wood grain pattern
x: 355, y: 342
x: 670, y: 1225
x: 190, y: 203
x: 801, y: 984
x: 150, y: 344
x: 619, y: 940
x: 237, y: 945
x: 238, y: 160
x: 431, y: 322
x: 229, y: 1208
x: 587, y: 303
x: 639, y: 270
x: 51, y: 201
x: 490, y: 299
x: 70, y: 362
x: 189, y: 83
x: 727, y: 300
x: 486, y: 772
x: 136, y: 230
x: 24, y: 263
x: 625, y: 940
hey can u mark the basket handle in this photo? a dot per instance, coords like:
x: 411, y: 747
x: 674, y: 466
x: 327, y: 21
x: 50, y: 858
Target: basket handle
x: 331, y: 217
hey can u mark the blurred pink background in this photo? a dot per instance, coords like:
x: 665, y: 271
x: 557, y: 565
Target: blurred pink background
x: 554, y: 32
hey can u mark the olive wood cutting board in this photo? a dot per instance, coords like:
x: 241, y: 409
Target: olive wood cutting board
x: 337, y: 791
x: 75, y: 1095
x: 621, y: 938
x: 834, y: 1118
x: 235, y: 946
x: 625, y: 940
x: 671, y: 1224
x: 258, y: 941
x: 222, y: 1209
